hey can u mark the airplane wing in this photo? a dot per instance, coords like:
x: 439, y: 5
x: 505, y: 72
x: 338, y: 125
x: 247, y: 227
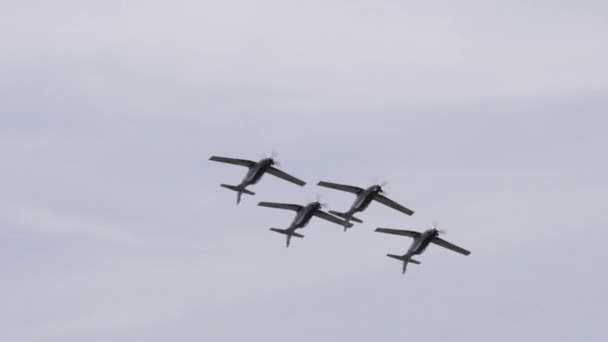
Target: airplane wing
x: 408, y: 233
x: 393, y: 204
x: 445, y: 244
x: 331, y: 218
x: 348, y: 188
x: 240, y: 162
x: 278, y: 173
x: 286, y: 206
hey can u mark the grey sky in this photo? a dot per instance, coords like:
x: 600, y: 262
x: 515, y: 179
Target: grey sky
x: 489, y: 116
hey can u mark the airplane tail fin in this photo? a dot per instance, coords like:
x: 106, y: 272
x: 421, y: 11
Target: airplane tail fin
x: 405, y: 259
x: 239, y: 190
x: 398, y: 257
x: 287, y: 232
x: 346, y: 216
x: 415, y: 262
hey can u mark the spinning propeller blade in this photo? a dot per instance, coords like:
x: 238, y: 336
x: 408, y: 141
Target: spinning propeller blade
x: 318, y: 200
x: 440, y: 231
x: 272, y: 156
x: 382, y: 184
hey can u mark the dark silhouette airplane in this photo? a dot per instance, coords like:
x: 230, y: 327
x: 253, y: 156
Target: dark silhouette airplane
x: 363, y: 200
x: 420, y: 243
x: 255, y: 173
x: 303, y: 216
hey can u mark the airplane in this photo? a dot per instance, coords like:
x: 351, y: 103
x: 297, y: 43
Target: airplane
x: 302, y: 218
x: 255, y: 173
x: 420, y: 243
x: 363, y: 200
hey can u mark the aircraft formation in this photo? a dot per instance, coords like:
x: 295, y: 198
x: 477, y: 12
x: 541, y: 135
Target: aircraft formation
x: 304, y: 213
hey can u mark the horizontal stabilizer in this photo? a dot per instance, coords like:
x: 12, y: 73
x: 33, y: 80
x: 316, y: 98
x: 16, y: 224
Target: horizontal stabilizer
x: 398, y: 257
x: 344, y: 216
x: 287, y: 232
x: 237, y: 189
x: 403, y: 258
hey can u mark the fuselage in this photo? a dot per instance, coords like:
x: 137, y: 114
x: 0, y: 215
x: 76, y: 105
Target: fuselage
x: 364, y: 199
x: 256, y: 172
x: 304, y: 215
x: 422, y: 242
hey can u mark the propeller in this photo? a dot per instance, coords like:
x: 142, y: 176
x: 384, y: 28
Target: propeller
x: 318, y: 200
x: 272, y: 156
x: 436, y: 227
x: 381, y: 184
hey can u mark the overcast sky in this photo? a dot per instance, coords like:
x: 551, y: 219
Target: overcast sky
x: 488, y: 116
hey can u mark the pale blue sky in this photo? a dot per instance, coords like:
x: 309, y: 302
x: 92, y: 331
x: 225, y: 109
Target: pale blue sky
x: 489, y: 116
